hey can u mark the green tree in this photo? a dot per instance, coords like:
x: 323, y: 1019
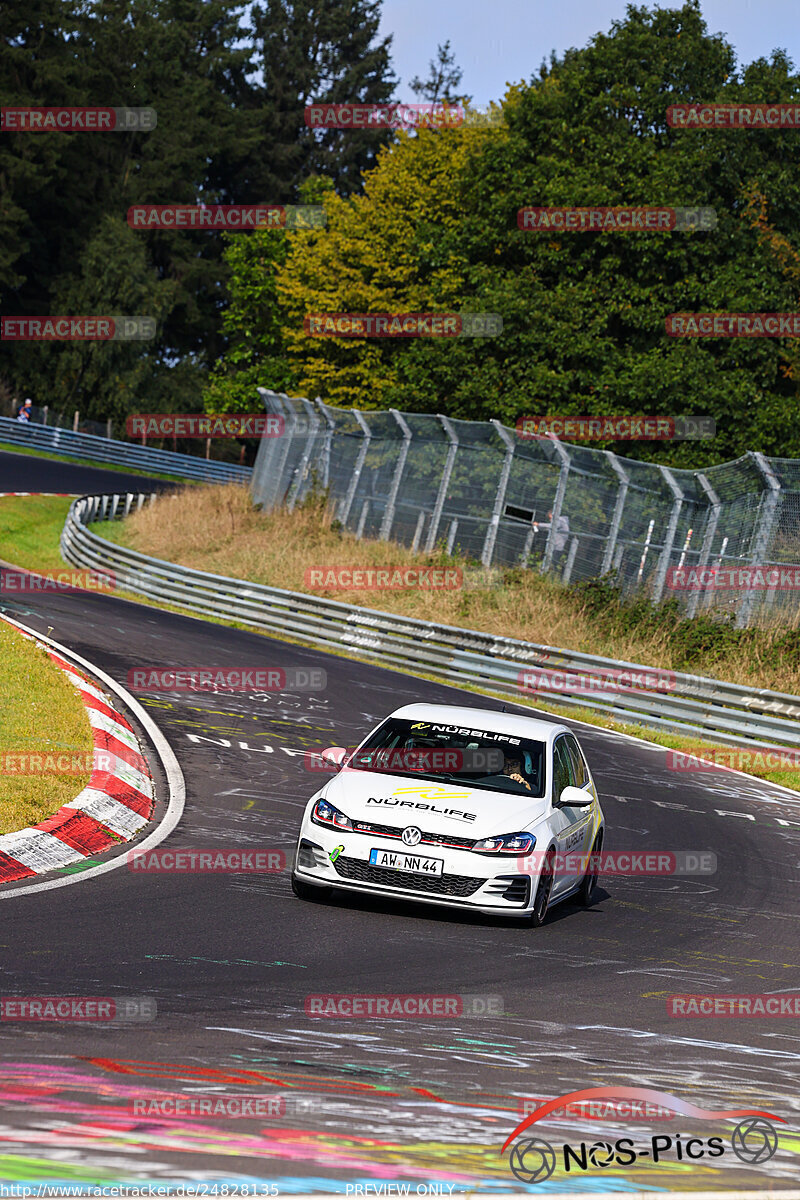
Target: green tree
x: 317, y: 51
x: 584, y: 313
x: 444, y: 79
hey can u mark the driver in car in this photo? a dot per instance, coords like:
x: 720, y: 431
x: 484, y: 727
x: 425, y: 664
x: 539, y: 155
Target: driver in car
x: 513, y: 769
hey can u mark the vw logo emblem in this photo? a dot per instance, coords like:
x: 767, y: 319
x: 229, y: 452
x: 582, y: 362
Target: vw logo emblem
x: 412, y: 836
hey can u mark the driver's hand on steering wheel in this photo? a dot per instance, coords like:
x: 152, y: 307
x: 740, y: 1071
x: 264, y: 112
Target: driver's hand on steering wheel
x: 518, y: 778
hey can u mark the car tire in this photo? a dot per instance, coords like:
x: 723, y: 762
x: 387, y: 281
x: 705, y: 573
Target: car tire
x: 544, y: 888
x: 309, y: 891
x: 587, y: 892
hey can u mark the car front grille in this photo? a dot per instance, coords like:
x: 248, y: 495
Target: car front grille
x: 428, y: 839
x: 441, y: 885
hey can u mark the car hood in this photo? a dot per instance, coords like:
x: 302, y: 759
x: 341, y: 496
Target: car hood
x: 434, y: 807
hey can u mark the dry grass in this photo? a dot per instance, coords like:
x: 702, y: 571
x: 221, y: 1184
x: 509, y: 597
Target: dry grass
x: 215, y: 528
x: 40, y: 713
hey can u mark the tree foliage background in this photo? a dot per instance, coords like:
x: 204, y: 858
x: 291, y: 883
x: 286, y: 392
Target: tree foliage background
x: 229, y: 82
x: 422, y: 221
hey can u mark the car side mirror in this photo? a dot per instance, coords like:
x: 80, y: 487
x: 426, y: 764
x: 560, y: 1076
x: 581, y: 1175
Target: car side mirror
x: 333, y: 757
x: 574, y: 797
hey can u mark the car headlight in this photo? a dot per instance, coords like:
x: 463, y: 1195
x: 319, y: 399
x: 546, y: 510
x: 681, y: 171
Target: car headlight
x: 507, y: 843
x: 324, y: 813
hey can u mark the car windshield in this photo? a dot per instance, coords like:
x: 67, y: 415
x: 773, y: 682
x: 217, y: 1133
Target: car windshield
x: 458, y: 754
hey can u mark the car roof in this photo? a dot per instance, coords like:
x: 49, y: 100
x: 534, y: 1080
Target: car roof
x: 482, y: 718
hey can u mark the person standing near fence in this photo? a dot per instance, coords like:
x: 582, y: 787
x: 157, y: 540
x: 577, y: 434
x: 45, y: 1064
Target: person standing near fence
x: 560, y: 537
x: 25, y: 413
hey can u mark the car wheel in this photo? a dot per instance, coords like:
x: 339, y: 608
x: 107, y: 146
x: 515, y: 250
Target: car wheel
x: 543, y: 889
x: 586, y: 892
x: 309, y: 891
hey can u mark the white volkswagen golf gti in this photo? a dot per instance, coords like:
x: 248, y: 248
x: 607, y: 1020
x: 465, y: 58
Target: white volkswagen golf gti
x: 464, y: 807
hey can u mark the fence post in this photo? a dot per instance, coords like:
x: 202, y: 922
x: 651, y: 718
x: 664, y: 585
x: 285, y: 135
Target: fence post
x: 45, y: 410
x: 451, y: 535
x: 75, y: 420
x: 289, y: 415
x: 669, y: 540
x: 712, y: 520
x: 300, y: 473
x: 768, y: 510
x: 347, y: 503
x: 262, y: 483
x: 573, y: 550
x: 558, y: 503
x: 418, y: 531
x: 500, y: 496
x: 616, y: 519
x: 362, y: 520
x: 108, y: 430
x: 444, y: 484
x: 388, y: 516
x: 327, y: 447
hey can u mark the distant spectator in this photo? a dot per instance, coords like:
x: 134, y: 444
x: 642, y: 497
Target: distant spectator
x: 561, y: 534
x: 26, y: 412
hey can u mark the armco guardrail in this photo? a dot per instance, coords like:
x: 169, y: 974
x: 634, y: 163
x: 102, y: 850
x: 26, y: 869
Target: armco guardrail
x: 121, y: 454
x: 722, y: 712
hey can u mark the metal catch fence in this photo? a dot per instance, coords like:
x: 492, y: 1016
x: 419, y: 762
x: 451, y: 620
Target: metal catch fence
x: 728, y: 713
x: 478, y: 488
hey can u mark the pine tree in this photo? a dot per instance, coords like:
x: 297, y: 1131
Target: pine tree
x: 444, y: 77
x: 312, y: 51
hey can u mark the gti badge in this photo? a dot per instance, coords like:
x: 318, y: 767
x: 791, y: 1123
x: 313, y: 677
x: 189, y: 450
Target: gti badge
x: 412, y: 836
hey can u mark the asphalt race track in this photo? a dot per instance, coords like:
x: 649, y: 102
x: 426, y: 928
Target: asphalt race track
x: 25, y: 473
x: 230, y: 959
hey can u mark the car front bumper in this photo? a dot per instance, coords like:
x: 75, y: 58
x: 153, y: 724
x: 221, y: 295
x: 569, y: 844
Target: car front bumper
x: 477, y: 882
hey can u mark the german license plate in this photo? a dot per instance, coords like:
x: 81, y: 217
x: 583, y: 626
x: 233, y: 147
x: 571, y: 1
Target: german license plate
x: 416, y: 864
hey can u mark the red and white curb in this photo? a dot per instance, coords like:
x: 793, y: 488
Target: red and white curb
x: 65, y: 494
x: 114, y: 807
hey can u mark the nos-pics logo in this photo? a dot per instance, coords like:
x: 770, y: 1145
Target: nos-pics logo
x: 533, y: 1160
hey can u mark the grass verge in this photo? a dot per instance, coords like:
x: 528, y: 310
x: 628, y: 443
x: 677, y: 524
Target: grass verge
x: 41, y: 714
x: 216, y: 529
x: 30, y: 529
x: 12, y: 448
